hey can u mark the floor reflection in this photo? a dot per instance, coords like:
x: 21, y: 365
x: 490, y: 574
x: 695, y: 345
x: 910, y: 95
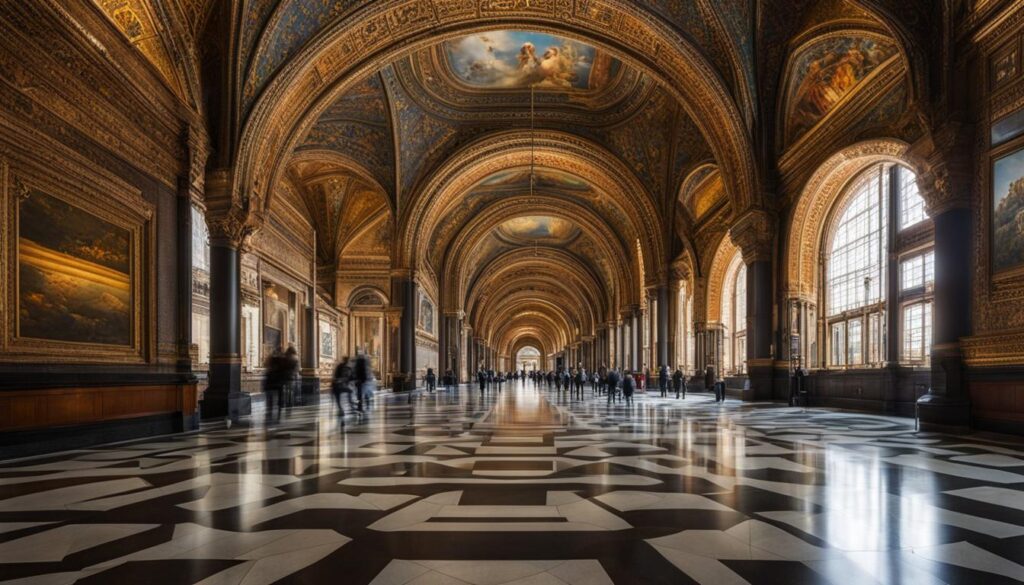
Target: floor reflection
x: 525, y: 486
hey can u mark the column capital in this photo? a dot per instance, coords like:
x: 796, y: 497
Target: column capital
x: 754, y: 234
x: 944, y: 174
x: 231, y: 223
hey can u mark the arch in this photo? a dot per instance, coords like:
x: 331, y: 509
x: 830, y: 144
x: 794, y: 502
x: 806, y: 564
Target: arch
x: 716, y: 283
x: 634, y: 206
x: 383, y: 31
x: 366, y: 292
x: 808, y: 221
x: 459, y: 272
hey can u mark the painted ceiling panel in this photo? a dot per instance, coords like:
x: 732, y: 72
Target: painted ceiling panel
x: 357, y: 126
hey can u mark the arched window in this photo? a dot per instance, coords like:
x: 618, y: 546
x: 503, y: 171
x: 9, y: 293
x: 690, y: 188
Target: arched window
x: 734, y: 315
x: 858, y: 268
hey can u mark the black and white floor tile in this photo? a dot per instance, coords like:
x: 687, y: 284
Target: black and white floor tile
x: 524, y: 487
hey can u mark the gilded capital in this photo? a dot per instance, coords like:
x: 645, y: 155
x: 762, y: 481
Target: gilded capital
x: 754, y: 234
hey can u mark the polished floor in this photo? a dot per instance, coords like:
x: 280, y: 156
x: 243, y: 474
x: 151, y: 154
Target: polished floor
x: 525, y: 487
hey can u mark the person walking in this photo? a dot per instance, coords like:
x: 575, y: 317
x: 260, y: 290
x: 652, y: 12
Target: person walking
x: 274, y: 382
x: 481, y: 378
x: 342, y: 384
x: 612, y: 385
x: 677, y: 382
x: 663, y: 375
x: 291, y: 375
x: 363, y: 377
x: 709, y: 378
x: 431, y: 380
x: 628, y: 388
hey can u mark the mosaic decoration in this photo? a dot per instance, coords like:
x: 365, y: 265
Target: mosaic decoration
x: 825, y: 72
x: 1008, y: 212
x: 74, y: 274
x: 519, y: 59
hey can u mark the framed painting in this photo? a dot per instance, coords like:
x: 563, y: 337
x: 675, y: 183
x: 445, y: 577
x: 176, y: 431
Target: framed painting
x: 1007, y: 212
x: 77, y: 272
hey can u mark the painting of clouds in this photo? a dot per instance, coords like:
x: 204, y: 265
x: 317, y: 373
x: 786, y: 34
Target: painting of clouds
x: 520, y: 59
x: 74, y: 274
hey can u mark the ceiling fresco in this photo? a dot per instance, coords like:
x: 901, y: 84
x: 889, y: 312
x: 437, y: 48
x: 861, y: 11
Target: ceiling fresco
x: 538, y: 229
x: 520, y: 59
x: 826, y: 71
x: 518, y: 181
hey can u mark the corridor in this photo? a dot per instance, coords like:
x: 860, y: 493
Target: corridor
x: 527, y: 487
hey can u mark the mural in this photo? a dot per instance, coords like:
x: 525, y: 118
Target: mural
x: 426, y: 314
x: 74, y: 274
x: 1008, y: 212
x: 827, y: 71
x: 543, y: 228
x: 519, y: 59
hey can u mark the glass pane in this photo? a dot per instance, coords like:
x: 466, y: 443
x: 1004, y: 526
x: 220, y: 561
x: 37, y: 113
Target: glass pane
x: 877, y: 345
x: 917, y: 332
x: 917, y: 271
x: 853, y: 343
x: 740, y: 301
x: 855, y: 275
x: 911, y: 203
x: 838, y: 343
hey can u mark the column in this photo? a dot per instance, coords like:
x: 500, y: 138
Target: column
x: 638, y: 338
x: 403, y: 293
x: 224, y: 395
x: 946, y: 189
x: 754, y: 234
x: 662, y: 316
x: 310, y: 347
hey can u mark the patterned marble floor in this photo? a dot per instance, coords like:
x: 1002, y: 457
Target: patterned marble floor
x: 525, y: 487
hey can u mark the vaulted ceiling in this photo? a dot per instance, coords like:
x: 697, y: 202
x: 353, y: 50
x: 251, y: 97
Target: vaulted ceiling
x: 535, y: 164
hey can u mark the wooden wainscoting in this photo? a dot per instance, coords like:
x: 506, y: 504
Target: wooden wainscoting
x: 998, y: 404
x: 38, y: 409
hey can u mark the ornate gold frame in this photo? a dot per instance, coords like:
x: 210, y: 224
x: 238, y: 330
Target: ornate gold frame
x: 107, y: 199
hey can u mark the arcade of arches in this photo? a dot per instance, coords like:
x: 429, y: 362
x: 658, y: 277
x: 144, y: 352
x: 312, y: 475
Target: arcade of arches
x: 814, y: 200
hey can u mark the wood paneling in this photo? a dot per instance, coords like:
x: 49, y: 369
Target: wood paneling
x: 998, y: 400
x: 74, y: 406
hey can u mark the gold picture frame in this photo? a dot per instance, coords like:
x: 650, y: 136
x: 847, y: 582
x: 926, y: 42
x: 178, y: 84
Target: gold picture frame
x: 83, y: 193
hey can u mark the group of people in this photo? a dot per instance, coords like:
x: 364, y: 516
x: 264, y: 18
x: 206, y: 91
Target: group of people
x: 355, y: 380
x: 281, y: 379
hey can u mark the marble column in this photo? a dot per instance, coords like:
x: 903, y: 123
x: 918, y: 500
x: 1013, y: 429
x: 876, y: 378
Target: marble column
x: 754, y: 234
x: 947, y: 403
x: 403, y: 291
x: 638, y: 339
x: 663, y: 317
x: 223, y: 397
x: 310, y: 348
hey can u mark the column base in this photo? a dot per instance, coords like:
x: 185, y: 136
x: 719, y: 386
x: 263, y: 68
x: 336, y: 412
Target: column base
x: 310, y: 389
x: 943, y: 414
x: 761, y: 377
x: 234, y: 406
x: 403, y: 382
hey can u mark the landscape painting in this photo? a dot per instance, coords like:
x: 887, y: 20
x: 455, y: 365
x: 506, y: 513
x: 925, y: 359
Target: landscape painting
x: 426, y: 314
x: 74, y: 274
x: 826, y: 72
x: 1008, y: 212
x: 520, y: 59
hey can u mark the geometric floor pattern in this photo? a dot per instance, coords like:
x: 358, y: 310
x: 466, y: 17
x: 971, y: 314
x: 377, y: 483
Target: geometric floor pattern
x: 525, y: 487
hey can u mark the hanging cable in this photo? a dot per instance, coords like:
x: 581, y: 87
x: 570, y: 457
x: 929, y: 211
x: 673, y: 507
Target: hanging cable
x: 533, y: 139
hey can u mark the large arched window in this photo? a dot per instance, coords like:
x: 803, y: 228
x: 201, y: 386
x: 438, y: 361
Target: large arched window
x: 734, y: 315
x: 858, y: 294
